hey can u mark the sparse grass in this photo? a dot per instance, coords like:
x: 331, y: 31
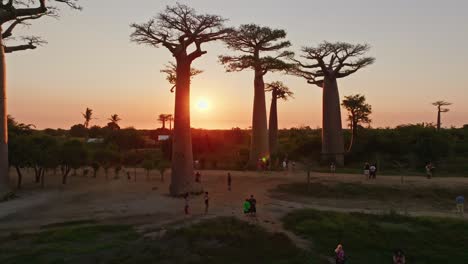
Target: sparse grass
x: 437, y: 196
x: 221, y: 240
x: 372, y: 238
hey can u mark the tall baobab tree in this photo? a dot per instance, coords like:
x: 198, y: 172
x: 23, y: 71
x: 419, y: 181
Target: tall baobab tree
x: 329, y: 62
x: 88, y: 116
x: 252, y: 40
x: 182, y: 31
x: 358, y: 113
x: 163, y: 118
x: 171, y: 74
x: 278, y: 91
x: 440, y: 110
x: 14, y: 13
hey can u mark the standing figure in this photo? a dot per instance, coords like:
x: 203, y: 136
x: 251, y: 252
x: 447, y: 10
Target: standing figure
x: 367, y: 170
x: 460, y: 201
x: 339, y: 255
x: 186, y: 208
x: 253, y: 206
x: 332, y: 168
x: 399, y: 257
x: 246, y: 207
x: 373, y: 171
x: 197, y: 177
x: 207, y: 202
x: 429, y: 170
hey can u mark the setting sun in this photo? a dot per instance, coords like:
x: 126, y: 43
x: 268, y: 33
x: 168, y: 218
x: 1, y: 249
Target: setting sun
x: 202, y: 104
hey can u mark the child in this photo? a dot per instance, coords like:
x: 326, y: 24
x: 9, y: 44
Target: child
x: 246, y: 207
x: 339, y: 255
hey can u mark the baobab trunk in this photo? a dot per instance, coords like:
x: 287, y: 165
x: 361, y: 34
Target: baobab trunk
x: 438, y: 119
x: 4, y: 177
x: 273, y: 128
x: 259, y: 143
x: 332, y: 134
x: 182, y: 180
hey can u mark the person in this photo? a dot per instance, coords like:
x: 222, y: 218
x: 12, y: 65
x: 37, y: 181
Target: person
x: 284, y: 165
x: 246, y: 207
x: 460, y: 201
x: 207, y: 202
x: 333, y: 168
x: 429, y: 170
x: 399, y: 257
x: 229, y: 181
x: 186, y: 208
x: 253, y: 205
x: 367, y: 170
x: 197, y: 176
x: 373, y: 171
x: 339, y: 255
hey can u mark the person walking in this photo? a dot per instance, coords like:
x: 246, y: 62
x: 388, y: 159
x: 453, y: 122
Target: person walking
x: 207, y: 202
x: 246, y: 207
x: 332, y: 169
x: 229, y: 181
x: 186, y: 199
x: 429, y: 170
x: 340, y: 255
x: 460, y: 202
x: 373, y: 171
x: 253, y: 206
x: 399, y: 257
x: 367, y: 170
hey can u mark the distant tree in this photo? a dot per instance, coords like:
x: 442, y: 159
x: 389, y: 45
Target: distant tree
x: 79, y: 131
x: 73, y: 155
x: 148, y: 165
x: 20, y: 154
x: 329, y: 62
x: 182, y: 31
x: 440, y: 109
x: 358, y: 113
x: 252, y: 40
x: 162, y: 166
x: 95, y: 132
x: 126, y: 139
x: 88, y: 116
x: 171, y: 74
x: 43, y: 155
x: 278, y: 91
x: 170, y: 118
x: 115, y: 118
x: 163, y: 118
x: 12, y: 14
x: 132, y: 159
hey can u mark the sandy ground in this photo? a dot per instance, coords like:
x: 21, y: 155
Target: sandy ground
x: 146, y: 204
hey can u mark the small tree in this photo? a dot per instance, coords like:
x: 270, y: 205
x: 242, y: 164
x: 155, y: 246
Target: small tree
x: 162, y: 166
x: 148, y: 165
x: 358, y: 113
x: 440, y: 109
x: 73, y: 155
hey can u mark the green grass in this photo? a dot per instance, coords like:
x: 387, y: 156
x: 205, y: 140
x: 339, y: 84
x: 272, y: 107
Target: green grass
x: 372, y: 238
x: 221, y: 240
x: 437, y: 196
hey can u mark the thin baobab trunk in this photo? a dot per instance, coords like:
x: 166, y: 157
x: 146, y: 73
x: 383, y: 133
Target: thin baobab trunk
x: 273, y: 129
x: 4, y: 177
x: 182, y: 156
x: 438, y: 119
x: 332, y: 134
x: 259, y: 144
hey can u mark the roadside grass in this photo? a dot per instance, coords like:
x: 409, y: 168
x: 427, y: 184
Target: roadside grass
x: 220, y: 240
x: 373, y: 238
x: 437, y: 196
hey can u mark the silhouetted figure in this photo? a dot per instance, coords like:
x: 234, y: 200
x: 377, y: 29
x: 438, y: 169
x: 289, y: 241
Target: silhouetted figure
x: 253, y: 206
x: 229, y: 181
x: 197, y: 177
x: 399, y: 257
x: 207, y: 202
x: 367, y: 170
x: 332, y: 169
x: 186, y: 199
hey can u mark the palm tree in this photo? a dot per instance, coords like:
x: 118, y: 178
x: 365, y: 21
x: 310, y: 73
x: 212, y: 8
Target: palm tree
x: 182, y: 31
x: 440, y: 110
x: 88, y: 116
x: 358, y: 112
x: 328, y: 63
x: 115, y: 119
x: 278, y: 91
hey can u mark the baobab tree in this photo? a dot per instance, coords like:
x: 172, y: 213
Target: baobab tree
x: 170, y: 118
x: 440, y: 110
x: 278, y: 91
x: 358, y: 113
x: 329, y: 62
x: 252, y: 40
x: 163, y: 118
x: 14, y: 13
x: 171, y: 74
x: 182, y: 31
x: 88, y: 116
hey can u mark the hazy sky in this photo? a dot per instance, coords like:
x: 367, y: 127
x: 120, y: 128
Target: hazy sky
x: 421, y: 47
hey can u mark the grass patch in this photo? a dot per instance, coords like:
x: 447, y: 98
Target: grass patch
x: 221, y: 240
x: 438, y: 196
x: 372, y: 238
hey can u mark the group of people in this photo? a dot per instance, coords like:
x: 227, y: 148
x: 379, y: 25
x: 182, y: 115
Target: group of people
x: 370, y: 171
x: 340, y: 257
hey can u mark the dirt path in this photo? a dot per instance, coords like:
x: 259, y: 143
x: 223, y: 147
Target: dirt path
x: 146, y: 205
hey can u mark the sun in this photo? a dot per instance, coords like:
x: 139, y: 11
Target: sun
x: 202, y: 104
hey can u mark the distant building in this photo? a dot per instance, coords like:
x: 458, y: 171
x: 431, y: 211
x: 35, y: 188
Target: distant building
x: 95, y: 140
x: 163, y: 137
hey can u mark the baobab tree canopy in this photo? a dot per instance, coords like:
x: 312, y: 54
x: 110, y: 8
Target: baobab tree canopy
x: 178, y: 29
x: 251, y: 40
x: 329, y: 62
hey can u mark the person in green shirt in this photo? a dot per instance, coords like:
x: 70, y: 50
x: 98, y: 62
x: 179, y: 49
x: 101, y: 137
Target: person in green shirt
x: 246, y: 207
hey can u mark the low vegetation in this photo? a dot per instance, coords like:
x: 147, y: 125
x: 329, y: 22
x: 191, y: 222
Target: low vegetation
x: 221, y: 240
x: 373, y: 238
